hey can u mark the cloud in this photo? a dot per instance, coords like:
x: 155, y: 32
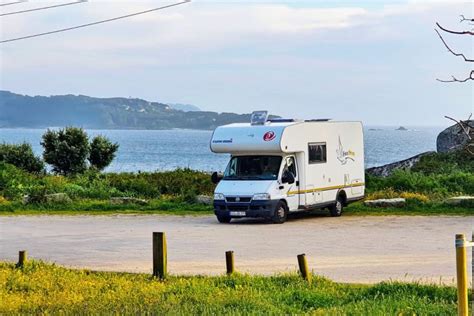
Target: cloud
x: 236, y: 56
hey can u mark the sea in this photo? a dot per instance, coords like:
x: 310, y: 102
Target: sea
x: 158, y: 150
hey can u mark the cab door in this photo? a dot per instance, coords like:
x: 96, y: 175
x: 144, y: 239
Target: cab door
x: 291, y: 190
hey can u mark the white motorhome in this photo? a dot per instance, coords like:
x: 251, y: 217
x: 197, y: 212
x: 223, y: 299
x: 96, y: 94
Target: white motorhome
x: 279, y: 166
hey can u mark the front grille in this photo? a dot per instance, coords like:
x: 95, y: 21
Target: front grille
x: 237, y: 208
x: 241, y: 199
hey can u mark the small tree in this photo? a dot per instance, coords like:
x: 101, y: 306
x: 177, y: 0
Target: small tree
x: 102, y: 152
x: 66, y: 150
x: 21, y: 156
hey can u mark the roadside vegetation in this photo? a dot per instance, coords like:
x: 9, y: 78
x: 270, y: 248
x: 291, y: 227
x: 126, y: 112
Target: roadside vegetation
x: 40, y: 288
x: 81, y: 187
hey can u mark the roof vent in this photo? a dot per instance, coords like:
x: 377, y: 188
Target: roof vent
x: 258, y: 118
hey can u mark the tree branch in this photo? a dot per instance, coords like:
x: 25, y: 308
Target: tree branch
x: 464, y: 19
x: 461, y: 124
x: 454, y: 79
x: 451, y: 51
x: 455, y: 32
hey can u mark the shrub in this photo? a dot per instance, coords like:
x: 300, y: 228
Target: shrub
x: 66, y: 150
x: 14, y: 182
x: 21, y: 156
x: 390, y: 193
x: 445, y: 163
x: 102, y: 152
x: 431, y: 184
x: 420, y: 197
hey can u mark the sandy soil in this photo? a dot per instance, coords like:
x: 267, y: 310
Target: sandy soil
x: 345, y: 249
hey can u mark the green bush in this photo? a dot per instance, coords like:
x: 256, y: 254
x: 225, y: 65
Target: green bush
x: 437, y: 184
x: 102, y: 152
x: 66, y: 150
x: 184, y: 183
x: 14, y: 182
x: 21, y: 156
x: 152, y: 184
x: 445, y: 163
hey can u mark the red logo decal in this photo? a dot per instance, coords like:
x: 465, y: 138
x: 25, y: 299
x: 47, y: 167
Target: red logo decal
x: 269, y: 136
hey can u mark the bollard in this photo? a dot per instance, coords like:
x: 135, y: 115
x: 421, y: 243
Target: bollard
x: 303, y: 264
x: 461, y: 273
x: 22, y: 257
x: 229, y: 262
x: 159, y: 255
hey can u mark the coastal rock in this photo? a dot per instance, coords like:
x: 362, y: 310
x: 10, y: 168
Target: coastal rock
x: 204, y: 199
x: 453, y: 138
x: 460, y: 200
x: 26, y: 199
x: 387, y: 170
x: 57, y: 198
x: 402, y: 128
x: 128, y: 200
x: 398, y: 202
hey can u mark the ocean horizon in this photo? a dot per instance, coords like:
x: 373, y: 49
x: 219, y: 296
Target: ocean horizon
x: 152, y: 150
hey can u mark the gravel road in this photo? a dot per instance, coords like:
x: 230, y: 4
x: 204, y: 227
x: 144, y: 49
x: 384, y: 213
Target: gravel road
x: 346, y: 249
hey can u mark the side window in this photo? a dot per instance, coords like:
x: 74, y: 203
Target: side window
x: 291, y: 166
x: 317, y: 152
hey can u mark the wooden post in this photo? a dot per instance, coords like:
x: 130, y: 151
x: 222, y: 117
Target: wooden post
x: 461, y: 273
x: 229, y: 262
x: 472, y: 275
x: 303, y: 264
x: 160, y: 259
x: 22, y: 257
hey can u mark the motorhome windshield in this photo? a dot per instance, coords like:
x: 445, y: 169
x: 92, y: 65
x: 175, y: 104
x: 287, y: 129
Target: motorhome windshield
x: 253, y: 168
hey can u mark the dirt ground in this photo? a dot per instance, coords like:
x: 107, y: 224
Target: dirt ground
x: 346, y: 249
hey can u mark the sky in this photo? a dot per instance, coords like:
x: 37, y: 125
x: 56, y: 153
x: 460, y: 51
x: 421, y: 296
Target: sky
x: 374, y: 61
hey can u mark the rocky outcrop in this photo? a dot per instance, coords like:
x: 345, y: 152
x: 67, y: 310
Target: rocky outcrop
x: 57, y: 198
x: 387, y: 170
x: 458, y: 200
x: 204, y: 199
x: 398, y: 202
x: 54, y: 198
x: 453, y: 138
x: 128, y: 200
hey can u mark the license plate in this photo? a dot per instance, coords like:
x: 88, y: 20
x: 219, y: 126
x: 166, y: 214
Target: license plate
x: 237, y: 213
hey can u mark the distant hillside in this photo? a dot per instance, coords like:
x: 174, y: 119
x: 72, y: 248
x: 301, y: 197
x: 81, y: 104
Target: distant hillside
x: 184, y: 107
x: 103, y: 113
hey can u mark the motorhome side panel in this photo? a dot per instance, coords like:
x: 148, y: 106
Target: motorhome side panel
x: 341, y: 166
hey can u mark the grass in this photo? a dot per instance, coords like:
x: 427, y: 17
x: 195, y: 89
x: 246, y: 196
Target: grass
x: 40, y: 288
x: 101, y: 207
x: 170, y: 207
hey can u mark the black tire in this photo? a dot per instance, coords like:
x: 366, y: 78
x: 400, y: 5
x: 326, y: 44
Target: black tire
x: 336, y: 209
x: 281, y: 213
x: 223, y: 219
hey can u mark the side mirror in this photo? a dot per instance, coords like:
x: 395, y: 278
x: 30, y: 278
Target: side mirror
x: 288, y: 177
x: 216, y: 177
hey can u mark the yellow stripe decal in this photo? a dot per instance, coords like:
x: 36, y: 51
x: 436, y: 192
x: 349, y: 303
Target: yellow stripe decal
x: 327, y: 188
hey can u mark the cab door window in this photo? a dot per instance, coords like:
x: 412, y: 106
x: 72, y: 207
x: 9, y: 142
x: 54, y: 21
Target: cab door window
x: 290, y: 166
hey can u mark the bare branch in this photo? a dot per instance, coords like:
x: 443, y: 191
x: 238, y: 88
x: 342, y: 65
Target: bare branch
x: 451, y: 51
x: 464, y: 19
x: 471, y: 77
x: 461, y: 124
x: 466, y: 128
x: 455, y: 32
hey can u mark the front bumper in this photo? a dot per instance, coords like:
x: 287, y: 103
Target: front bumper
x: 264, y: 209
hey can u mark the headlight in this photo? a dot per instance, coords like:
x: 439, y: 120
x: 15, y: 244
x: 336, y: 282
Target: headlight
x: 219, y: 196
x: 261, y: 196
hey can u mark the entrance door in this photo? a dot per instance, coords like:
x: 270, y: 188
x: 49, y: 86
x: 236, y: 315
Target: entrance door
x: 292, y: 189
